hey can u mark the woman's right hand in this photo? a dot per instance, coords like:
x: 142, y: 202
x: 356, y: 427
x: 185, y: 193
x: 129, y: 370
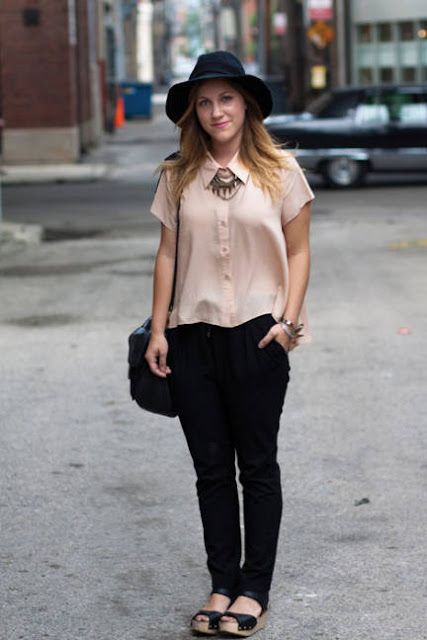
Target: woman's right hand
x: 156, y: 354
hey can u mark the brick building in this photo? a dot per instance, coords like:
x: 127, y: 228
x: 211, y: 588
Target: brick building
x: 51, y: 70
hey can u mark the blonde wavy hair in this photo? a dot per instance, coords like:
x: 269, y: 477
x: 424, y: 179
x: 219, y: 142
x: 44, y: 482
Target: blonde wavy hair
x: 263, y: 158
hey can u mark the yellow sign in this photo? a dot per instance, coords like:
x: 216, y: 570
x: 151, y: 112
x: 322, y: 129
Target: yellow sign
x: 318, y: 76
x: 320, y: 33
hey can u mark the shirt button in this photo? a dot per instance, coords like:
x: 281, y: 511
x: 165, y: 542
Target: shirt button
x: 224, y: 251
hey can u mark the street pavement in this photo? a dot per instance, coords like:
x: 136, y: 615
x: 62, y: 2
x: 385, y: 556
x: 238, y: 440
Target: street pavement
x: 100, y: 534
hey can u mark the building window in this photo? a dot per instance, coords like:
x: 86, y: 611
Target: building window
x: 366, y: 75
x: 409, y: 74
x: 390, y: 52
x: 385, y: 32
x: 406, y: 31
x: 387, y: 74
x: 364, y: 33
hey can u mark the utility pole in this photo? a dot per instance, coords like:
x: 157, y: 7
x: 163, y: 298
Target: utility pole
x: 262, y: 63
x: 341, y: 44
x: 236, y: 5
x: 268, y: 36
x: 216, y: 15
x: 264, y: 36
x: 296, y: 54
x: 233, y: 32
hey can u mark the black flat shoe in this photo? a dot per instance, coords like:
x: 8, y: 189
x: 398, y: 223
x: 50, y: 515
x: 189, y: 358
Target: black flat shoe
x: 209, y: 627
x: 245, y: 625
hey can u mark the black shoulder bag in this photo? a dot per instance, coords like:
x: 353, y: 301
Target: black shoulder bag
x: 149, y: 391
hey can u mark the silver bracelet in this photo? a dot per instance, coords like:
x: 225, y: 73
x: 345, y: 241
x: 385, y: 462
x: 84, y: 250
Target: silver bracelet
x: 288, y: 323
x: 296, y: 331
x: 285, y: 329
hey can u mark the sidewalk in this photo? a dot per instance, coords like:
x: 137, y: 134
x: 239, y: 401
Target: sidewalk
x: 126, y: 152
x: 130, y: 154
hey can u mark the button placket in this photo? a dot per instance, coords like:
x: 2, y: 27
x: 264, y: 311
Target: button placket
x: 225, y: 261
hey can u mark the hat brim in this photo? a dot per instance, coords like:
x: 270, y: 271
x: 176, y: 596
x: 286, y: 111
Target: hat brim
x: 178, y: 94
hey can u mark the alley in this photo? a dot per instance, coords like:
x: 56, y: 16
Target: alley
x: 100, y: 533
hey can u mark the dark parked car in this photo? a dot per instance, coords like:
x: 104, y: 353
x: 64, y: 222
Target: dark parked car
x: 348, y: 132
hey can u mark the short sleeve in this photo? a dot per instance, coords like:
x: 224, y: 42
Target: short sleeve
x: 297, y: 193
x: 163, y: 206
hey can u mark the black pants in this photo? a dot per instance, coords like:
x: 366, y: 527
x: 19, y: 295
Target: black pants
x: 229, y: 395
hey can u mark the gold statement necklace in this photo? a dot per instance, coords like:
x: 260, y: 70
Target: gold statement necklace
x: 225, y: 184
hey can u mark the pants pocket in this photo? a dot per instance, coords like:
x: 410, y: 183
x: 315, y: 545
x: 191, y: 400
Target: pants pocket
x: 273, y: 350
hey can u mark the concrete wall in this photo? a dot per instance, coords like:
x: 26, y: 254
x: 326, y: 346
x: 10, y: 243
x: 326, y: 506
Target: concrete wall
x: 393, y: 58
x: 41, y: 145
x: 145, y: 63
x: 388, y: 10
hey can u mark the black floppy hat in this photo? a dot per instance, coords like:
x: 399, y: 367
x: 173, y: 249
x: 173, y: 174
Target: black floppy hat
x: 217, y: 65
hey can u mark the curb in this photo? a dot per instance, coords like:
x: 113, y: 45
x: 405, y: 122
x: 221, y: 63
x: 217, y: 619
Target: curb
x: 34, y: 174
x: 21, y: 232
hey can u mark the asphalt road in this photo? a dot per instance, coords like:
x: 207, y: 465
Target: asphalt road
x: 120, y: 207
x: 100, y: 533
x: 68, y: 211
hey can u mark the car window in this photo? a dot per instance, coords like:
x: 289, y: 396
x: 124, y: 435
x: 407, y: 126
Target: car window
x: 404, y: 106
x: 335, y: 105
x: 370, y: 114
x: 414, y: 113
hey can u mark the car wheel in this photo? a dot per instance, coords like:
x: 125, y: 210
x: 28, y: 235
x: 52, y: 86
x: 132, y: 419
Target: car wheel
x: 344, y: 172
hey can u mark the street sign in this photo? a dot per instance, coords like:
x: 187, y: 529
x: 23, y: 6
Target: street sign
x: 318, y: 76
x: 320, y: 34
x: 320, y: 10
x: 280, y: 24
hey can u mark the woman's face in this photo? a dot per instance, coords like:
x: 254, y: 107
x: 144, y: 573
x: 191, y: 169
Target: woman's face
x: 221, y: 111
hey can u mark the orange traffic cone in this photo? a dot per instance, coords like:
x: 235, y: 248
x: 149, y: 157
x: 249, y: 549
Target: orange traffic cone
x: 119, y: 115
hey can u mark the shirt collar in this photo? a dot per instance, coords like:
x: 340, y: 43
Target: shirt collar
x: 210, y: 167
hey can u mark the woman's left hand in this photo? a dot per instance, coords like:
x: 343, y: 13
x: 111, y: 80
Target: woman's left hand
x: 276, y: 333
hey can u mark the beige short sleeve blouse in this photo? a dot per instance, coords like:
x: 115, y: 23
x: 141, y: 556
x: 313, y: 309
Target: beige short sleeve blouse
x: 232, y: 263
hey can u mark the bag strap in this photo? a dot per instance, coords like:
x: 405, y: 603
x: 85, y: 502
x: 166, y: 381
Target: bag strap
x: 173, y: 156
x: 176, y: 259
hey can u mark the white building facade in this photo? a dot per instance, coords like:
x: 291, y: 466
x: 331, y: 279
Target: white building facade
x: 389, y: 41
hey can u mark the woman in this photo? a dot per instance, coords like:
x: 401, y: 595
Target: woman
x: 241, y: 207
